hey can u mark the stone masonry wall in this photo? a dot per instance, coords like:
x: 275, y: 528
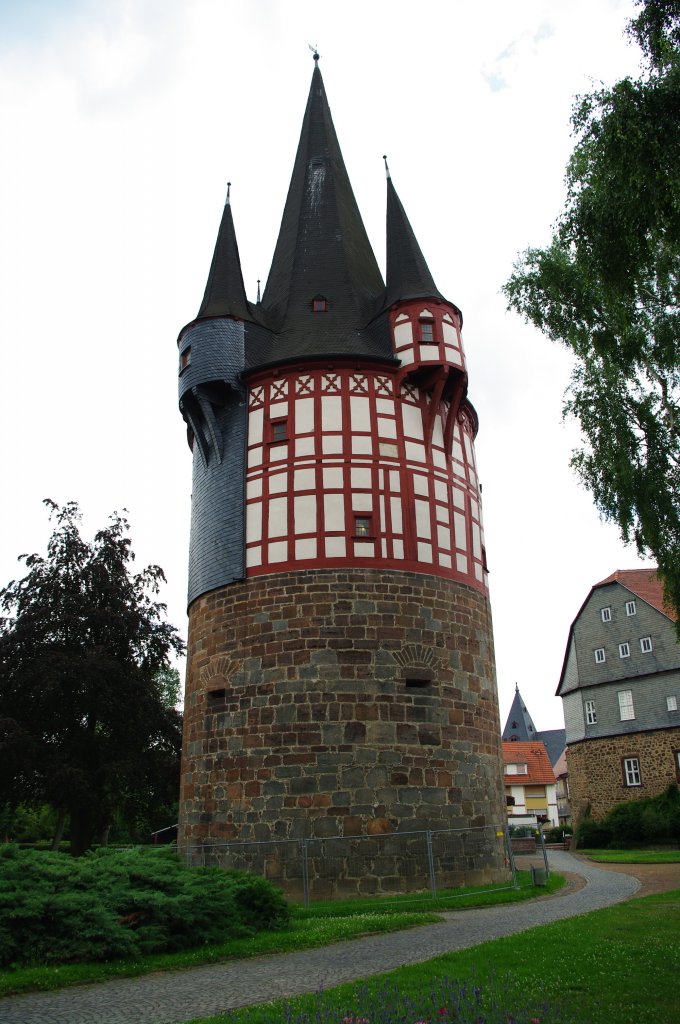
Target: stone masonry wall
x: 340, y: 703
x: 596, y: 772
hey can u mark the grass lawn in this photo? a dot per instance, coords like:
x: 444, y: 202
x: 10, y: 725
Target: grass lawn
x: 633, y: 856
x: 322, y: 924
x: 615, y: 966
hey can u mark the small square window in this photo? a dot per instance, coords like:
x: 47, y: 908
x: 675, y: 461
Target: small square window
x: 185, y: 358
x: 624, y: 650
x: 631, y: 771
x: 427, y: 332
x: 646, y: 644
x: 671, y: 703
x: 591, y: 716
x: 606, y: 614
x: 626, y: 709
x: 600, y: 656
x: 319, y: 305
x: 630, y: 608
x: 363, y: 526
x: 280, y: 430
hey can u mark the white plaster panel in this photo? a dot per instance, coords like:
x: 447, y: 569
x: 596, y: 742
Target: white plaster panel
x: 424, y: 552
x: 402, y: 316
x: 277, y: 452
x: 438, y: 433
x: 395, y: 480
x: 383, y: 547
x: 305, y: 548
x: 442, y: 514
x: 395, y: 512
x: 406, y: 356
x: 335, y: 547
x: 475, y: 508
x: 361, y: 444
x: 362, y: 502
x: 476, y: 541
x: 444, y: 537
x: 332, y: 478
x: 413, y: 421
x: 447, y: 316
x: 457, y: 451
x: 425, y: 312
x: 253, y: 556
x: 462, y: 563
x: 459, y: 531
x: 363, y: 550
x: 403, y: 334
x: 398, y: 548
x: 331, y: 444
x: 450, y: 336
x: 278, y: 410
x: 421, y: 484
x: 278, y: 483
x: 423, y: 526
x: 278, y: 552
x: 478, y: 571
x: 255, y: 425
x: 360, y: 413
x: 331, y: 412
x: 304, y: 479
x: 440, y: 491
x: 381, y: 504
x: 304, y: 446
x: 385, y: 406
x: 468, y: 449
x: 387, y: 427
x: 450, y: 354
x: 414, y: 452
x: 360, y: 477
x: 304, y: 415
x: 445, y: 560
x: 456, y: 358
x: 458, y: 497
x: 255, y: 456
x: 278, y: 517
x: 334, y: 512
x: 254, y: 521
x: 388, y: 449
x: 254, y: 488
x: 305, y: 513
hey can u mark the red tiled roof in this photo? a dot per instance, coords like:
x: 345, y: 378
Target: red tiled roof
x: 535, y: 756
x: 643, y: 582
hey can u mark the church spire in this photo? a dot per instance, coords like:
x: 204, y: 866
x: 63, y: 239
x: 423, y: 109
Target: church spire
x: 408, y: 275
x: 225, y: 294
x: 322, y: 251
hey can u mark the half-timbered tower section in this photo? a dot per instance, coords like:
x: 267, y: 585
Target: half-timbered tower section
x: 341, y: 674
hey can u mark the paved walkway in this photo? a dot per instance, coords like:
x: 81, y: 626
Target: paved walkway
x: 172, y: 998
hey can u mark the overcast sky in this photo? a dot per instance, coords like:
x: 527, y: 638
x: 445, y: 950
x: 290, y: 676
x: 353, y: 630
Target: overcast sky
x: 121, y: 122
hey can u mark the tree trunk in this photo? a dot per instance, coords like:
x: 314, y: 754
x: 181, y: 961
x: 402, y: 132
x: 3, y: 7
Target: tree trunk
x: 59, y: 829
x: 82, y: 830
x: 104, y: 837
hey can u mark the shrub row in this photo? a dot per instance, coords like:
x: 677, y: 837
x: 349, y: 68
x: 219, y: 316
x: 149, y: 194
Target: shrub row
x: 636, y: 822
x: 112, y: 904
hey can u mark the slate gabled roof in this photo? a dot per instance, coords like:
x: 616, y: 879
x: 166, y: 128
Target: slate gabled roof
x: 535, y: 756
x: 519, y: 723
x: 644, y: 583
x: 322, y: 251
x: 225, y: 294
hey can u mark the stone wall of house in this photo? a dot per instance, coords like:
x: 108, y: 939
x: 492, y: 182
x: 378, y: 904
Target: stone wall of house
x: 341, y: 703
x: 596, y: 776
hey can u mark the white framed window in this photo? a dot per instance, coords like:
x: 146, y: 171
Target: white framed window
x: 516, y: 769
x: 591, y: 715
x: 626, y: 709
x: 671, y: 703
x: 630, y: 608
x: 631, y: 771
x: 646, y: 644
x: 606, y: 614
x: 624, y: 650
x: 600, y: 656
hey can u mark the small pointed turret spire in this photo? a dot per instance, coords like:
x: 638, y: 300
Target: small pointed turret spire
x: 225, y: 294
x: 258, y: 291
x: 408, y: 275
x: 387, y: 167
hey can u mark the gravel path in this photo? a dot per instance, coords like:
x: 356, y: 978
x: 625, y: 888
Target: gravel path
x: 172, y: 998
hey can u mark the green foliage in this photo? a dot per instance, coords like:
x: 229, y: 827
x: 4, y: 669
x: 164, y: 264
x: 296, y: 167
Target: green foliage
x: 635, y: 822
x: 87, y: 717
x: 556, y: 835
x: 608, y: 285
x: 110, y: 905
x: 593, y: 835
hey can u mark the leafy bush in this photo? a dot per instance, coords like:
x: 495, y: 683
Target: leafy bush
x: 593, y: 835
x: 557, y: 834
x: 107, y: 905
x: 635, y: 823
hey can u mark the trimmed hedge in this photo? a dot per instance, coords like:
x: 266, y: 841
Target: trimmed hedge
x: 114, y: 904
x: 635, y: 823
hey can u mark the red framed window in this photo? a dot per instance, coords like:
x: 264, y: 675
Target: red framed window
x: 319, y: 304
x: 427, y: 332
x: 278, y: 431
x: 363, y: 526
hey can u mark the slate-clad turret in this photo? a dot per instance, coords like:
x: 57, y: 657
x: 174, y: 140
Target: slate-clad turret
x: 340, y: 675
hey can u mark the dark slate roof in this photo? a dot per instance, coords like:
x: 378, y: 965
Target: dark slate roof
x: 322, y: 251
x: 408, y: 275
x: 519, y: 725
x: 225, y: 294
x: 554, y: 740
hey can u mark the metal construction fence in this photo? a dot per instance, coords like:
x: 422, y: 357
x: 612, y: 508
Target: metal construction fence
x: 368, y: 865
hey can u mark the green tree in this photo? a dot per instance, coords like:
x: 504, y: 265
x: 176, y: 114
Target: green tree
x: 607, y: 288
x: 85, y: 720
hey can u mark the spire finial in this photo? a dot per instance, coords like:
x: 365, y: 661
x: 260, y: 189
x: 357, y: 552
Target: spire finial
x: 228, y: 199
x: 315, y: 51
x: 387, y: 169
x: 258, y: 290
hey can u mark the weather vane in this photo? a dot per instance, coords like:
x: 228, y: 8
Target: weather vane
x: 315, y: 50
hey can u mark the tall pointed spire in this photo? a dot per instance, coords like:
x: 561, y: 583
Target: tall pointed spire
x: 322, y: 249
x: 408, y: 275
x: 225, y: 294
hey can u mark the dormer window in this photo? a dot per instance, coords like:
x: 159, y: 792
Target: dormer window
x: 319, y: 304
x: 427, y: 332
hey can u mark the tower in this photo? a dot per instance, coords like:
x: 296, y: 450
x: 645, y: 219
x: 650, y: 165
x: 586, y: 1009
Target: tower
x: 340, y: 676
